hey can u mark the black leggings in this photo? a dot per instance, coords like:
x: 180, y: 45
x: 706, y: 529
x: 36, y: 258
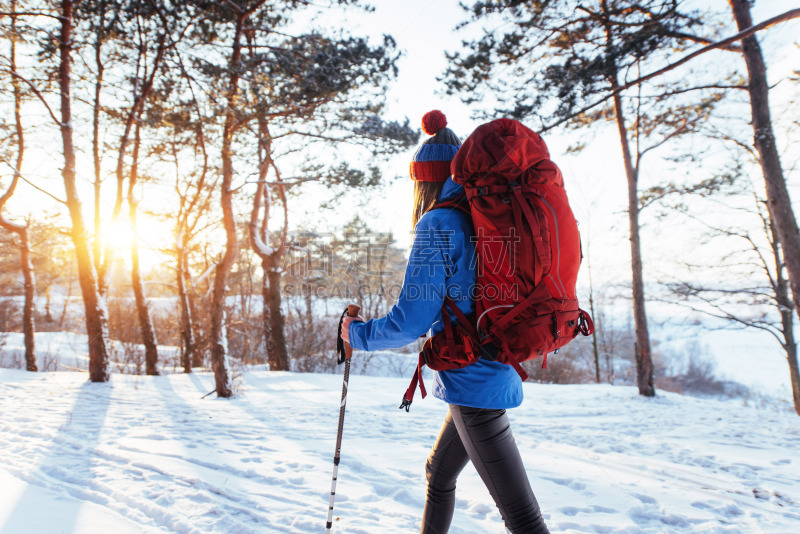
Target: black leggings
x: 483, y: 436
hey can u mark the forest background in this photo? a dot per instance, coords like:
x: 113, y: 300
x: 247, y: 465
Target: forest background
x: 186, y: 120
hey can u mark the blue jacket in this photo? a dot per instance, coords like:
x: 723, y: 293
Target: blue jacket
x: 442, y: 261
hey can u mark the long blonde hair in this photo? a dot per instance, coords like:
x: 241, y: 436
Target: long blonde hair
x: 425, y: 196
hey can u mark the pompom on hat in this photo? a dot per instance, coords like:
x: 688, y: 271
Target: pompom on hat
x: 431, y: 162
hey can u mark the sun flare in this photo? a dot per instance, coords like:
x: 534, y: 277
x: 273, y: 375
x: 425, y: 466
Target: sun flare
x: 119, y: 236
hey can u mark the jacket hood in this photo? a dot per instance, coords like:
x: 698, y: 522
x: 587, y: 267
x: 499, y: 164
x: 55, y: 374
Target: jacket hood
x: 450, y: 190
x: 508, y: 148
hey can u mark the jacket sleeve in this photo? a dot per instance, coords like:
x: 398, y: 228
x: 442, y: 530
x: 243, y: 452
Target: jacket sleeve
x: 421, y: 298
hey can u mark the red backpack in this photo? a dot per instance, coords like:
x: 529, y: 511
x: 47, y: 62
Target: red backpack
x: 528, y: 250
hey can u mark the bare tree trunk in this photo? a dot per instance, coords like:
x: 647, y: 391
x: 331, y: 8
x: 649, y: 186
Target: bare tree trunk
x: 594, y: 333
x: 794, y: 372
x: 21, y: 230
x: 219, y: 342
x: 28, y: 326
x: 142, y: 306
x: 307, y: 289
x: 784, y: 301
x: 266, y: 311
x: 187, y: 329
x: 272, y: 315
x: 96, y: 322
x: 790, y: 347
x: 98, y: 86
x: 66, y: 303
x: 29, y: 290
x: 278, y: 356
x: 779, y: 202
x: 198, y: 348
x: 644, y: 359
x: 48, y: 315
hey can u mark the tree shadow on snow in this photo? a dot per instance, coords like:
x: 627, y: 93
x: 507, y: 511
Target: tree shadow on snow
x: 64, y: 475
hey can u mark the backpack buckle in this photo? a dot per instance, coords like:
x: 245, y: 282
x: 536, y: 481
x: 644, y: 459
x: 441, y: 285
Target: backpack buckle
x: 585, y: 324
x: 425, y: 354
x: 481, y: 191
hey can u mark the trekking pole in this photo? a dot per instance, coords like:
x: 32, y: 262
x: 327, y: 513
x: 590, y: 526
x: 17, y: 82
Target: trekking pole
x: 344, y: 351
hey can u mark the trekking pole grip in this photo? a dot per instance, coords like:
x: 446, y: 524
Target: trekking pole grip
x: 352, y: 310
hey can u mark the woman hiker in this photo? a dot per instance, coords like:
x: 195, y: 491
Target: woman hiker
x: 476, y: 427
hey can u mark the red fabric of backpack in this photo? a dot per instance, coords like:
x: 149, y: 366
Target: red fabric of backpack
x: 527, y: 243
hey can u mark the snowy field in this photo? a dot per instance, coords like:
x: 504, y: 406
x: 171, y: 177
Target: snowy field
x: 147, y: 454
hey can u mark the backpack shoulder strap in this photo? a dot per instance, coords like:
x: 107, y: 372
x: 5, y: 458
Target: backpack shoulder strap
x: 459, y: 203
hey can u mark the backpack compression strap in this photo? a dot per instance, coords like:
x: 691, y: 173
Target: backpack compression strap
x: 543, y: 264
x: 412, y: 388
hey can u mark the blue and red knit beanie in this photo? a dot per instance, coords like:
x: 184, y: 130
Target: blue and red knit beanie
x: 431, y: 162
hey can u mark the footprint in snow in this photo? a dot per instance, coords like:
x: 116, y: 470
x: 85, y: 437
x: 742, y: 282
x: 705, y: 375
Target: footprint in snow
x: 559, y: 481
x: 568, y: 525
x: 572, y: 511
x: 480, y: 510
x: 646, y: 499
x: 732, y: 511
x: 603, y: 510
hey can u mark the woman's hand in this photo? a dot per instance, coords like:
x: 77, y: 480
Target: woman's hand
x: 346, y: 326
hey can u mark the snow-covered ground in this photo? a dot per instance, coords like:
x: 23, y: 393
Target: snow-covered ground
x: 147, y: 454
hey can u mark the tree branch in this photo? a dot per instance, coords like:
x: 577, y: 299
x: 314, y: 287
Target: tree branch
x: 36, y: 92
x: 703, y: 40
x: 676, y: 132
x: 789, y: 15
x: 29, y: 14
x: 725, y: 315
x: 696, y: 88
